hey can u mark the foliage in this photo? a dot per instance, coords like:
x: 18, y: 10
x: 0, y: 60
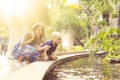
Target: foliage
x: 114, y: 14
x: 74, y: 7
x: 70, y: 49
x: 68, y: 19
x: 107, y: 40
x: 95, y: 10
x: 101, y: 6
x: 77, y: 49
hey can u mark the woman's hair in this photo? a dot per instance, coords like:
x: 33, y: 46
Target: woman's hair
x: 41, y: 39
x: 35, y: 26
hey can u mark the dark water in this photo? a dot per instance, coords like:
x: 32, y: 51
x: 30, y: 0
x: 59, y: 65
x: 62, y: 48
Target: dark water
x: 92, y: 68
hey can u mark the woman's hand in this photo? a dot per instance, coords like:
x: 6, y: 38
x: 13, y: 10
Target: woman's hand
x: 27, y: 39
x: 33, y: 36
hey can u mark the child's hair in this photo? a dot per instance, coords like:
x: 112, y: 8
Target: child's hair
x: 56, y: 33
x: 42, y: 37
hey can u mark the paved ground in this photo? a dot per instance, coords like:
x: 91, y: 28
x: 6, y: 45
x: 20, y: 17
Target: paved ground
x: 7, y: 67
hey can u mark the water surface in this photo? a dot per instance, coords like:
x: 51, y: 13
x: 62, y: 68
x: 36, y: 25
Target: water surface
x: 92, y: 68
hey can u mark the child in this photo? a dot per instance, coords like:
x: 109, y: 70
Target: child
x: 51, y: 47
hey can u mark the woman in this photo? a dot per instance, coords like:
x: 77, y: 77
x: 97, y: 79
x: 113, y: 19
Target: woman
x: 29, y: 47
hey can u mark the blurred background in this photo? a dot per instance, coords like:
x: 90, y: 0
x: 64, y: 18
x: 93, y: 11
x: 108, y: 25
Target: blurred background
x: 77, y: 20
x: 84, y: 25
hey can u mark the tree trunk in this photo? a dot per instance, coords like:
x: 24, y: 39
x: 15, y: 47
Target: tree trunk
x: 84, y: 7
x: 118, y: 21
x: 16, y: 29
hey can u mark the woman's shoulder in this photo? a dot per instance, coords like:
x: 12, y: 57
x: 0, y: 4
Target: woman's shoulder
x: 27, y: 35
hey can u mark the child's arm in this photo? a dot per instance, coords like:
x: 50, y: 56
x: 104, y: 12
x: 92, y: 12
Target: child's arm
x: 45, y: 47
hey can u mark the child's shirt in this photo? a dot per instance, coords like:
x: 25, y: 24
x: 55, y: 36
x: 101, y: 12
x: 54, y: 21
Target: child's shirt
x: 52, y: 47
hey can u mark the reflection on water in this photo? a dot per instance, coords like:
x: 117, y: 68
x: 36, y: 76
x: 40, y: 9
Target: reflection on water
x: 85, y: 69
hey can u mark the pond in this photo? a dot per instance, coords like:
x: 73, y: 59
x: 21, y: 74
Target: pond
x: 92, y: 68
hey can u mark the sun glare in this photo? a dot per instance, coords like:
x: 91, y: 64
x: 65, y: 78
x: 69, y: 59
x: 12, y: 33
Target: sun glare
x: 13, y: 7
x: 68, y: 2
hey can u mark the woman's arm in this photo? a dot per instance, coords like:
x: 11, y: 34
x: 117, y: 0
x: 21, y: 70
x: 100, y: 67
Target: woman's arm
x: 27, y: 39
x: 39, y: 48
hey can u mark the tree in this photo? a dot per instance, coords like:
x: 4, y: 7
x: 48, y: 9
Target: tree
x: 68, y: 20
x: 97, y: 8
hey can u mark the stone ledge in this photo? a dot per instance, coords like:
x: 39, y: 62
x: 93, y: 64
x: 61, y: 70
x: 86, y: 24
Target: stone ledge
x: 37, y: 70
x: 114, y: 60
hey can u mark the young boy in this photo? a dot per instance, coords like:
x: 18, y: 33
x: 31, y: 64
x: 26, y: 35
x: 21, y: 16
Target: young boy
x: 49, y: 53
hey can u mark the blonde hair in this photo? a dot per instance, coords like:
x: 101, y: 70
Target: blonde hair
x: 41, y: 39
x: 56, y: 33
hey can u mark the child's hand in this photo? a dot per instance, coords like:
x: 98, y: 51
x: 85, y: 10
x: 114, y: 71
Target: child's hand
x: 46, y: 47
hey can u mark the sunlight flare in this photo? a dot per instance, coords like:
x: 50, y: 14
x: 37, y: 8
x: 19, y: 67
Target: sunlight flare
x: 14, y: 7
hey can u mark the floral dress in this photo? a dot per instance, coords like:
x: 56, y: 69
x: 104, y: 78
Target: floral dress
x: 27, y: 51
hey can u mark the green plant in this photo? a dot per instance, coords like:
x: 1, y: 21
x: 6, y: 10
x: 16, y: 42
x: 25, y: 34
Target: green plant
x: 68, y: 20
x: 114, y: 14
x: 107, y: 40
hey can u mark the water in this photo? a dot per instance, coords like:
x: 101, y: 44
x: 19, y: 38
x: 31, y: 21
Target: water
x: 91, y: 68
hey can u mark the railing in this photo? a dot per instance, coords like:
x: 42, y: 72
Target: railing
x: 3, y: 45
